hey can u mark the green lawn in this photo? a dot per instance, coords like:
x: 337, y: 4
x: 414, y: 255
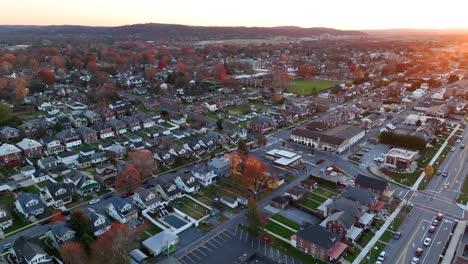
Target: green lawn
x: 351, y: 254
x: 18, y: 221
x: 309, y: 87
x: 279, y: 230
x: 102, y: 192
x: 44, y: 183
x: 154, y: 230
x: 309, y: 203
x: 6, y: 171
x: 286, y: 221
x: 326, y: 192
x: 316, y: 197
x: 212, y: 115
x: 143, y: 109
x: 374, y: 252
x: 31, y: 189
x: 239, y: 109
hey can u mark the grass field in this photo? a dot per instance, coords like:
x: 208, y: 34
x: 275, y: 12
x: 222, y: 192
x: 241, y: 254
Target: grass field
x: 191, y: 208
x: 286, y: 221
x: 309, y: 87
x: 310, y: 203
x: 279, y: 230
x: 316, y: 197
x: 6, y: 171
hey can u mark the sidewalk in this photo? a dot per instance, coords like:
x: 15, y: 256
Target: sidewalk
x: 434, y: 159
x: 379, y: 233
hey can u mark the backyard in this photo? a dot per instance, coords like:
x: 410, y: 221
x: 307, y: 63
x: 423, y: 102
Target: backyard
x: 191, y: 208
x: 7, y: 202
x: 309, y: 87
x: 278, y: 229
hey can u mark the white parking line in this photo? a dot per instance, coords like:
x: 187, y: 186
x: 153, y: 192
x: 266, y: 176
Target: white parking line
x: 235, y: 232
x: 190, y: 259
x: 253, y: 242
x: 182, y: 261
x: 193, y: 253
x: 202, y: 252
x: 219, y: 236
x: 205, y: 247
x: 241, y: 234
x: 226, y: 234
x: 246, y: 237
x: 209, y: 242
x: 214, y: 238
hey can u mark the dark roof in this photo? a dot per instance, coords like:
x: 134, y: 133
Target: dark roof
x: 319, y: 236
x: 344, y: 218
x: 368, y: 182
x: 54, y: 187
x: 24, y: 198
x: 26, y: 248
x: 280, y: 199
x: 359, y: 194
x: 343, y: 204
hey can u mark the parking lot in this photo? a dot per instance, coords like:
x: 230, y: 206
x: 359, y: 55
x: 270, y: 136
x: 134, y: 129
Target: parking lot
x: 240, y: 244
x: 369, y: 152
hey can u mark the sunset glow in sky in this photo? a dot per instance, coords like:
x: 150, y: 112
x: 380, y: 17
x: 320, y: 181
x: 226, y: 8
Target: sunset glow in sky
x: 342, y: 14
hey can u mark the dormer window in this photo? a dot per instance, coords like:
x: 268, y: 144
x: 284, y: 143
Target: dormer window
x: 60, y: 192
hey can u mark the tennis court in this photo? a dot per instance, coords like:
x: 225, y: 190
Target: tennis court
x: 174, y: 221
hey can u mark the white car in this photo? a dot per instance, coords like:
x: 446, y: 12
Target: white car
x: 382, y: 256
x: 458, y: 140
x: 427, y: 241
x: 93, y: 201
x: 453, y: 149
x: 414, y: 260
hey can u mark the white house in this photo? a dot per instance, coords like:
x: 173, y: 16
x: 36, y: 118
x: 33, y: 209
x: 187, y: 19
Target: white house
x: 99, y: 222
x: 29, y: 204
x: 28, y: 251
x: 187, y: 183
x: 204, y: 174
x: 121, y: 210
x: 68, y: 157
x: 5, y: 219
x: 144, y: 198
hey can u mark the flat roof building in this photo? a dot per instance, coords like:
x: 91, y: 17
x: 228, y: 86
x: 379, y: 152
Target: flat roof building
x: 283, y: 157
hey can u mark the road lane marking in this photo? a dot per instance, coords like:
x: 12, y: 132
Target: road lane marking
x: 405, y: 250
x: 429, y: 249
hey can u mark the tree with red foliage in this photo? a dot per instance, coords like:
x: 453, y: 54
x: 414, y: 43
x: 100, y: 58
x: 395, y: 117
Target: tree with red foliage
x: 143, y: 160
x: 219, y: 72
x: 127, y: 177
x: 46, y: 76
x: 56, y: 61
x: 162, y: 64
x: 57, y: 217
x: 281, y: 77
x: 106, y: 94
x: 102, y: 77
x: 73, y: 253
x: 352, y: 68
x: 150, y: 73
x: 77, y: 63
x: 3, y: 83
x: 148, y: 58
x: 114, y: 245
x: 92, y: 67
x: 255, y: 175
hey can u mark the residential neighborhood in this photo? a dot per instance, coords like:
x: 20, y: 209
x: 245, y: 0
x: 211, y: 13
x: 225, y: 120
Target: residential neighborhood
x: 335, y: 148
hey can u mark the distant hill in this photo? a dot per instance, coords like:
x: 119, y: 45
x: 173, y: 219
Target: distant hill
x: 153, y: 31
x: 417, y: 32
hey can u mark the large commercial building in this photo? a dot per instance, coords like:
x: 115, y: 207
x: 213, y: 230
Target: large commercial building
x: 336, y: 140
x: 283, y: 157
x: 398, y: 158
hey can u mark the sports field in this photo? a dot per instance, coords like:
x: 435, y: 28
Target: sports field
x: 309, y: 87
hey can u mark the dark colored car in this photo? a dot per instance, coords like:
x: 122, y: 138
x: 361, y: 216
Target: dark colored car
x: 397, y: 235
x: 107, y: 196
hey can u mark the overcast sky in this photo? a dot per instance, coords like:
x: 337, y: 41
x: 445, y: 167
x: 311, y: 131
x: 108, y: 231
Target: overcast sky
x: 341, y: 14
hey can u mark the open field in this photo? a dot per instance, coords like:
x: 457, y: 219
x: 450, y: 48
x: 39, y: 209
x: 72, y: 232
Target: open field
x: 279, y: 230
x: 309, y: 87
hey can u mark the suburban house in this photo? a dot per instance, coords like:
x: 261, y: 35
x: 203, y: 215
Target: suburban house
x: 68, y: 157
x: 31, y: 148
x: 145, y: 121
x: 10, y: 155
x: 220, y: 166
x: 358, y: 211
x: 377, y: 186
x: 280, y: 202
x: 295, y: 193
x: 47, y: 163
x: 87, y: 134
x: 364, y: 197
x: 337, y: 139
x: 204, y: 174
x: 5, y: 218
x: 122, y: 210
x: 105, y: 174
x: 9, y: 133
x: 170, y: 99
x: 308, y: 184
x: 60, y: 232
x: 261, y: 123
x: 319, y: 242
x: 228, y: 201
x: 371, y: 121
x: 132, y: 123
x: 83, y: 182
x: 29, y: 204
x: 29, y: 251
x: 168, y: 191
x: 118, y: 126
x: 187, y: 182
x: 52, y: 145
x: 342, y: 223
x: 400, y: 159
x: 99, y: 222
x: 69, y: 138
x: 144, y: 199
x: 57, y: 194
x: 104, y: 130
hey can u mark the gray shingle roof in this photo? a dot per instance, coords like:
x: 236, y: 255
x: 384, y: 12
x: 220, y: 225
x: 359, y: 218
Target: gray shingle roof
x: 319, y: 236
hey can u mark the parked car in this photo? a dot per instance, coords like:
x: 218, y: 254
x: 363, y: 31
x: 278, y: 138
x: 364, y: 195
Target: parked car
x: 432, y: 229
x: 427, y: 241
x: 419, y: 252
x: 340, y: 184
x: 94, y: 201
x: 445, y: 174
x: 453, y: 149
x: 462, y: 146
x: 414, y: 260
x: 107, y: 196
x: 397, y: 235
x: 438, y: 173
x: 382, y: 256
x: 439, y: 216
x: 435, y: 222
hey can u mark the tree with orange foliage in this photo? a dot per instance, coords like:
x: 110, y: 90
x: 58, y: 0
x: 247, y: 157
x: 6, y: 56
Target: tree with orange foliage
x: 255, y: 175
x: 46, y: 76
x: 56, y: 61
x: 150, y: 73
x: 114, y: 245
x: 236, y: 161
x: 143, y: 160
x: 20, y: 88
x: 281, y: 77
x: 3, y: 83
x: 57, y: 217
x: 305, y: 71
x: 127, y: 177
x: 10, y: 58
x: 73, y: 253
x: 92, y: 67
x: 148, y: 57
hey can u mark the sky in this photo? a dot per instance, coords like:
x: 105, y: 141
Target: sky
x: 340, y: 14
